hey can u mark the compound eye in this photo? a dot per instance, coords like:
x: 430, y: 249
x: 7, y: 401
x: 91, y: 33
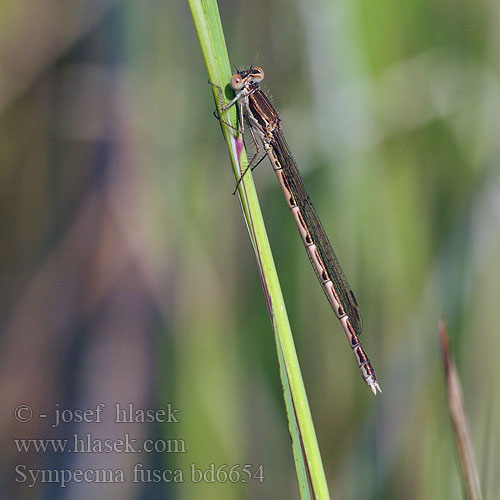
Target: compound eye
x: 236, y: 82
x: 257, y: 74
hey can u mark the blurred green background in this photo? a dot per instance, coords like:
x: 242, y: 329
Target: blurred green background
x: 127, y: 275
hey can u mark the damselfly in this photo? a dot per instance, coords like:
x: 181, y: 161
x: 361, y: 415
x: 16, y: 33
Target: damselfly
x: 265, y: 123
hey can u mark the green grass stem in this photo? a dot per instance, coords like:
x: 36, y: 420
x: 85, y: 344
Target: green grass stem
x: 311, y: 476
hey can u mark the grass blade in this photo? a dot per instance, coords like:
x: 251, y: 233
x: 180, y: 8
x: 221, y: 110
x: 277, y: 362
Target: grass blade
x: 311, y: 476
x: 458, y: 415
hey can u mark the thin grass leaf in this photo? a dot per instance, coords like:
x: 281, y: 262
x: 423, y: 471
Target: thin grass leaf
x: 310, y: 473
x: 458, y: 415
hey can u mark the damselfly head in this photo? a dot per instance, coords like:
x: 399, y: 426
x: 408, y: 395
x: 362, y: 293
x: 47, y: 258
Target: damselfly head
x: 251, y: 75
x: 237, y: 81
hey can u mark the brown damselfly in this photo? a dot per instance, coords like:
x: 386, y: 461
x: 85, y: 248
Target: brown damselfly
x: 265, y: 123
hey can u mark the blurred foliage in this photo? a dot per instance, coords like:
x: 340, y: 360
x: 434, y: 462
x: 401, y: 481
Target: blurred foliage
x: 128, y: 277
